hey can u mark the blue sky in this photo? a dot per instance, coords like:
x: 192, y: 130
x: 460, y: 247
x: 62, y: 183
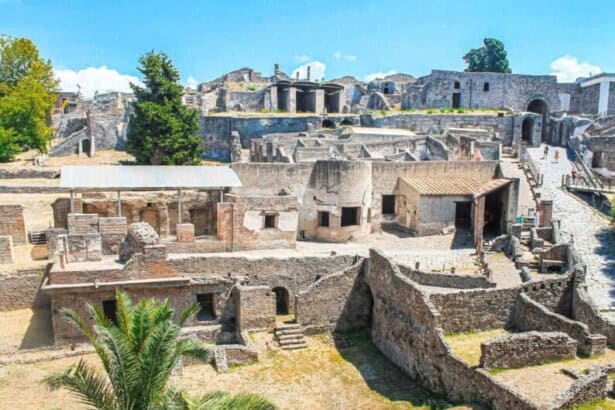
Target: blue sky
x: 208, y: 38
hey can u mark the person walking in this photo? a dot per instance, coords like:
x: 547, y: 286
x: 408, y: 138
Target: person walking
x: 545, y: 153
x: 556, y: 156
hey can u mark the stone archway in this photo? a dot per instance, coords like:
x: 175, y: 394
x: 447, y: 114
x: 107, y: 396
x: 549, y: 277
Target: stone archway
x: 540, y: 106
x: 328, y: 124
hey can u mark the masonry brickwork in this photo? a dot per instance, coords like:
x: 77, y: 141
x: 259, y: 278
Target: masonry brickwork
x: 12, y: 223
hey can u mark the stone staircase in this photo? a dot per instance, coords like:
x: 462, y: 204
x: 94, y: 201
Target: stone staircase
x: 37, y: 237
x: 290, y: 336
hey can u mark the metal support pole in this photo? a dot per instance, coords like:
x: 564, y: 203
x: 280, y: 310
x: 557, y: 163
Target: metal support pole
x: 119, y: 204
x: 221, y: 195
x: 179, y: 206
x: 72, y: 202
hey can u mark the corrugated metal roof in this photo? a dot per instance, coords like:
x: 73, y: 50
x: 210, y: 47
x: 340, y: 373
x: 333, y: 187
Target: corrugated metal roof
x: 152, y: 177
x: 454, y: 185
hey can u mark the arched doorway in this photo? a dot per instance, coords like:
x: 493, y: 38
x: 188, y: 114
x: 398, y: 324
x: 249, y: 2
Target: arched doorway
x: 346, y: 122
x: 281, y: 301
x: 527, y: 129
x: 539, y: 106
x: 328, y: 124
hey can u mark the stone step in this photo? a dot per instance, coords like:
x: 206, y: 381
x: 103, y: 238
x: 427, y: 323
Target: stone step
x: 294, y: 346
x: 282, y: 338
x: 291, y: 342
x: 288, y: 332
x: 285, y: 326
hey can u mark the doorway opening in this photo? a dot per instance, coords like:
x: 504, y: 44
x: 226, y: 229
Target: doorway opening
x: 456, y: 100
x: 463, y: 215
x: 281, y: 301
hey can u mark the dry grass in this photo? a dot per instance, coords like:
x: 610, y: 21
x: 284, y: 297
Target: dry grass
x: 466, y: 346
x: 25, y: 329
x: 528, y: 381
x: 320, y: 377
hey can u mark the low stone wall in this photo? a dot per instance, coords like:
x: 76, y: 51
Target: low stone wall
x: 591, y: 386
x: 446, y: 280
x: 29, y: 172
x: 483, y: 309
x: 585, y: 311
x: 526, y: 349
x: 337, y: 302
x: 21, y: 290
x: 531, y: 315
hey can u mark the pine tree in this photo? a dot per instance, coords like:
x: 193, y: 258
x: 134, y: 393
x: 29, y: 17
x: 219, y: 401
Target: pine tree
x: 492, y: 57
x: 162, y: 130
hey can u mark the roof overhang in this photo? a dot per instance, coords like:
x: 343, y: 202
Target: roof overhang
x: 147, y: 178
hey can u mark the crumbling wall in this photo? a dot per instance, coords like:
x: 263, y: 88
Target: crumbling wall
x: 6, y: 250
x: 526, y: 349
x: 338, y: 302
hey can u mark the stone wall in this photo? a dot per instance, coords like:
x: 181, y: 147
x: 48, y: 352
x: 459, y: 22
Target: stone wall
x: 584, y: 311
x: 338, y: 302
x: 12, y: 223
x: 526, y: 349
x: 256, y: 307
x: 258, y: 222
x: 21, y: 290
x: 216, y: 130
x: 483, y: 309
x: 405, y: 328
x: 113, y: 231
x: 6, y: 250
x: 446, y: 280
x: 503, y: 90
x: 530, y: 315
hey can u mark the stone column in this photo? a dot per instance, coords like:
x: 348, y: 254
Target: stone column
x: 319, y: 101
x: 291, y: 100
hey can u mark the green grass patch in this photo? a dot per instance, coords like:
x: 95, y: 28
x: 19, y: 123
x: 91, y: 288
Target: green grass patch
x: 600, y: 404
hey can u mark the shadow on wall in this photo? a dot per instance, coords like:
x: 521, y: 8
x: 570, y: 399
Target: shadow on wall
x: 380, y: 374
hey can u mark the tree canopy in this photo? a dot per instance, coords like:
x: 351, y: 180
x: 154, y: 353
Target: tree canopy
x: 491, y: 57
x: 162, y: 130
x: 27, y: 96
x: 139, y: 349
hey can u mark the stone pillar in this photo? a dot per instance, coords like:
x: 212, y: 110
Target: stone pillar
x: 273, y: 98
x: 319, y: 101
x: 291, y: 100
x: 185, y: 232
x: 479, y: 222
x: 546, y: 212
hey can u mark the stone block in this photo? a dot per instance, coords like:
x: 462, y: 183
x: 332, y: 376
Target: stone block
x: 155, y: 253
x: 6, y: 249
x: 54, y: 239
x: 93, y: 247
x: 111, y: 243
x: 12, y: 223
x: 77, y: 248
x: 82, y: 224
x: 113, y: 226
x: 185, y: 232
x: 256, y: 307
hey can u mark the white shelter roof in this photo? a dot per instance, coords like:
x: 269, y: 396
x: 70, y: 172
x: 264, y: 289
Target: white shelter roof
x: 146, y: 177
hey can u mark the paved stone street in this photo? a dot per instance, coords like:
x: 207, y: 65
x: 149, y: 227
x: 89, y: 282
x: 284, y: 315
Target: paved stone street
x: 593, y: 234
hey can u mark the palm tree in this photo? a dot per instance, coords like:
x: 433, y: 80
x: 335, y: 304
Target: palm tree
x: 139, y: 349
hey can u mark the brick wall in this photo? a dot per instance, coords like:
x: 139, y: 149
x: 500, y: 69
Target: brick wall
x: 82, y: 224
x: 113, y: 231
x: 12, y: 223
x: 256, y: 307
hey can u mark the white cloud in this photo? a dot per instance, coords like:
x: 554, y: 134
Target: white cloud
x: 568, y: 69
x: 317, y: 71
x: 302, y: 58
x: 347, y: 57
x: 191, y: 82
x: 92, y: 79
x: 379, y: 74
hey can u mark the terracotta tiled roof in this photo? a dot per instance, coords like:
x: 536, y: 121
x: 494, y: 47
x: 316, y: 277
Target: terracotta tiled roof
x: 454, y: 185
